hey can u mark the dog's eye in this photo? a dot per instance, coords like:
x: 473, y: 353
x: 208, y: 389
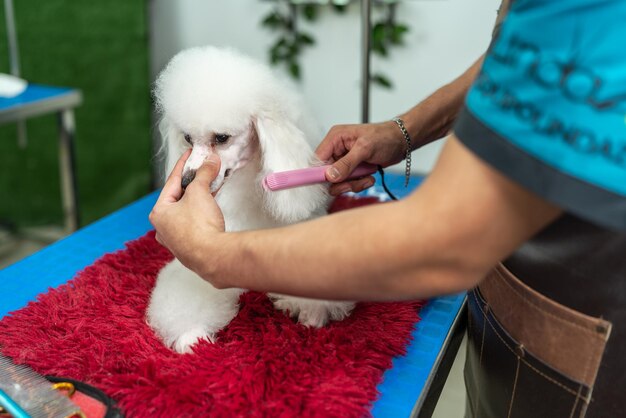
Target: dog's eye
x: 221, y: 138
x: 188, y: 138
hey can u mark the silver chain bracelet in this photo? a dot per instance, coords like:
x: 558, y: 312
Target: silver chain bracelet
x: 407, y: 138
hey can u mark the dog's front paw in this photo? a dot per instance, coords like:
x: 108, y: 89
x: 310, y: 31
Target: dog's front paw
x: 311, y: 312
x: 183, y: 343
x: 184, y: 308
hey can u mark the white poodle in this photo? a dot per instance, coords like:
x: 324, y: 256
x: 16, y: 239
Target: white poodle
x: 216, y: 100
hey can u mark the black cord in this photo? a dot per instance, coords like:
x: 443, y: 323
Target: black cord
x: 382, y: 178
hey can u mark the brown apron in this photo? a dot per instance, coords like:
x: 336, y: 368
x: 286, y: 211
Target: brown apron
x: 547, y: 336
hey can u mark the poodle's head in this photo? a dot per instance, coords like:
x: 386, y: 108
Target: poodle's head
x: 216, y: 100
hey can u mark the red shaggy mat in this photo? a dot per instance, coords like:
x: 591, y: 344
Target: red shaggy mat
x: 263, y: 364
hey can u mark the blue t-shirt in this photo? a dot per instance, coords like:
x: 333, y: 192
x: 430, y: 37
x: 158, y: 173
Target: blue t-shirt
x: 548, y: 109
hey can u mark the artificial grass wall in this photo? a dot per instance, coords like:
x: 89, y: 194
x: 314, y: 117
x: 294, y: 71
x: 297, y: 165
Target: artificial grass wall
x: 100, y: 47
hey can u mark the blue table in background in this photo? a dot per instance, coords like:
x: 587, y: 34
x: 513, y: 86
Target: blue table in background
x: 39, y: 100
x: 409, y: 389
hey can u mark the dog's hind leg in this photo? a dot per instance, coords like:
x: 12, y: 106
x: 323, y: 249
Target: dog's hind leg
x: 312, y: 312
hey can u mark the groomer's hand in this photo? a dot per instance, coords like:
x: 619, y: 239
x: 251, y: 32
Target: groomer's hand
x: 185, y: 219
x: 346, y: 146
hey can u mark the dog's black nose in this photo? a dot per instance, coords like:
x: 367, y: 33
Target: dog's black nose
x: 188, y: 178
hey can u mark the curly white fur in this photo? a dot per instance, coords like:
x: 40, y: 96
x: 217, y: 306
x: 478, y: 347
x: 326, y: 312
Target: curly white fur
x: 217, y: 100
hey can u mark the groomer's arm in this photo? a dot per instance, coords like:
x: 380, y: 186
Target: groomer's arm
x: 442, y: 239
x: 382, y: 143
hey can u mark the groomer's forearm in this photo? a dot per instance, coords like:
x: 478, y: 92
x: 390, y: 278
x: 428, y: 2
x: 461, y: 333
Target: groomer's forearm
x: 433, y: 118
x: 337, y: 257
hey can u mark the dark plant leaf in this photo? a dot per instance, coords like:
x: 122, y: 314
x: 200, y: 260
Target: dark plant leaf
x: 379, y: 43
x: 294, y: 70
x: 280, y: 51
x: 381, y: 80
x: 294, y: 48
x: 310, y: 12
x: 379, y: 32
x: 305, y: 39
x: 400, y: 28
x: 379, y: 48
x: 396, y: 33
x: 279, y: 46
x: 340, y: 8
x: 274, y: 20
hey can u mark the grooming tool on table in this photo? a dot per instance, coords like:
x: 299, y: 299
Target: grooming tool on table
x: 25, y: 394
x: 308, y: 176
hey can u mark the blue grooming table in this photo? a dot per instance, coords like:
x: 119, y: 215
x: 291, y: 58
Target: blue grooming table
x: 409, y: 389
x: 39, y: 100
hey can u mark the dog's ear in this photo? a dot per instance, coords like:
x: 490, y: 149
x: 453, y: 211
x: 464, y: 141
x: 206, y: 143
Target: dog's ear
x: 172, y: 145
x: 284, y: 147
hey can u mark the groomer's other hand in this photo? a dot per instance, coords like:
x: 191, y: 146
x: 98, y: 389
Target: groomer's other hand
x: 346, y: 146
x: 183, y: 219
